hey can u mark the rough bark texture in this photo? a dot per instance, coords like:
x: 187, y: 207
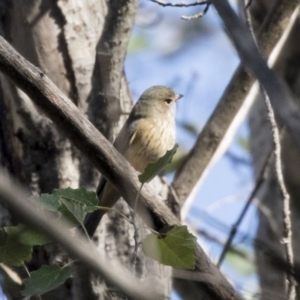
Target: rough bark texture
x: 61, y: 37
x: 61, y: 41
x: 270, y: 225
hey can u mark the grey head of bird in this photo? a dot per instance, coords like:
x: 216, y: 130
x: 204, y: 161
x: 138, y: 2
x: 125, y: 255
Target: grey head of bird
x: 158, y: 100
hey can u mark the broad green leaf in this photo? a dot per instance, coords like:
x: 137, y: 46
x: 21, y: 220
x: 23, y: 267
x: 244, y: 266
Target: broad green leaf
x: 82, y: 196
x: 47, y: 201
x: 154, y: 168
x: 14, y: 253
x: 74, y: 211
x: 27, y: 235
x: 175, y: 248
x: 45, y: 279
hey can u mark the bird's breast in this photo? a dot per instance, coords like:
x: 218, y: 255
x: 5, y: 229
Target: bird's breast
x: 151, y: 139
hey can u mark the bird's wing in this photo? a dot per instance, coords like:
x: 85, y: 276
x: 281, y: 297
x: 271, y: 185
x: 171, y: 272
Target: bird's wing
x: 123, y: 139
x: 107, y: 195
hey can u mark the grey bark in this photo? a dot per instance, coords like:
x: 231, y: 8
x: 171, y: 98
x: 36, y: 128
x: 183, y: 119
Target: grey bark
x: 60, y: 37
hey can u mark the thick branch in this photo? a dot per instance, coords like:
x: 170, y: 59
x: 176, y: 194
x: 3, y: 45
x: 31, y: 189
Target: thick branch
x: 232, y: 100
x: 102, y: 154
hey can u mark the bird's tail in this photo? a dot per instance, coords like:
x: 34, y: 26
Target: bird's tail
x: 93, y: 219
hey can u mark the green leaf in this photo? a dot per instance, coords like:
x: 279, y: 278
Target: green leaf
x: 26, y: 235
x: 45, y: 279
x: 81, y: 196
x: 47, y: 201
x: 14, y: 253
x: 154, y: 168
x: 75, y: 212
x: 176, y: 248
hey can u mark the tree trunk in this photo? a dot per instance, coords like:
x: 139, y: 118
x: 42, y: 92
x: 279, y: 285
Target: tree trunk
x: 61, y: 38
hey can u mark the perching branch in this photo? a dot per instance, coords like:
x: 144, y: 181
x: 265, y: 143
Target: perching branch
x: 197, y: 15
x: 188, y: 176
x: 181, y: 4
x: 103, y: 156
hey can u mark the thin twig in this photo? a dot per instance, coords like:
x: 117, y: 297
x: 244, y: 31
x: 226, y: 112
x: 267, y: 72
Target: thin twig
x: 197, y: 15
x: 180, y: 4
x: 274, y: 255
x: 287, y: 222
x: 260, y: 180
x: 27, y: 271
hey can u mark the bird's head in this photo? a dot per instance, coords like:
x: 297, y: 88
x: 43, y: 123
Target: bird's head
x: 159, y: 99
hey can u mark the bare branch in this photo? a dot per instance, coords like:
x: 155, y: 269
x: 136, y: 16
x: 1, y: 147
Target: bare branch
x: 103, y: 156
x: 188, y: 176
x: 180, y: 4
x: 262, y: 175
x: 197, y: 15
x: 234, y: 228
x: 287, y: 222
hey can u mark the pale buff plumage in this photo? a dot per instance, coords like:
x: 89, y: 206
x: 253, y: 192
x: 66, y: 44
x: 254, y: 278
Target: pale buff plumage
x: 147, y: 135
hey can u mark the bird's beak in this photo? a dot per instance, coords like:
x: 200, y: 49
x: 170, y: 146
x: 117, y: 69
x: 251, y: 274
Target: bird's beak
x: 178, y: 96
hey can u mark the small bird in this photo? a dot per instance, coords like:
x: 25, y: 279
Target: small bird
x: 147, y: 135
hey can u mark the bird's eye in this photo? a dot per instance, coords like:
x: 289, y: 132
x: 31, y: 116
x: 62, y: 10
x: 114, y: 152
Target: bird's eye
x: 168, y: 101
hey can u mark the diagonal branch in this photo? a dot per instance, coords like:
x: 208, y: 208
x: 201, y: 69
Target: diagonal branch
x: 12, y: 195
x: 192, y: 170
x: 104, y: 157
